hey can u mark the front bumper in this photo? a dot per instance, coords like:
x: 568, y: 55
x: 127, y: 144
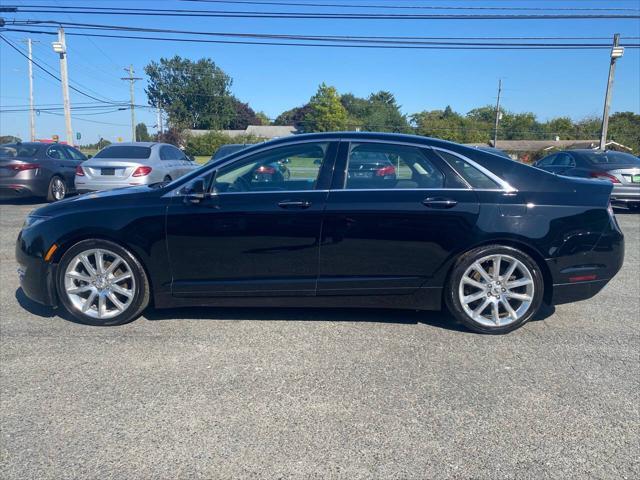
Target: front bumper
x: 36, y: 276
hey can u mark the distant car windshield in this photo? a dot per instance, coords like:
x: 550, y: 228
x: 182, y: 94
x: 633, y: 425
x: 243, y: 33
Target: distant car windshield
x: 612, y: 158
x: 124, y: 151
x: 18, y: 150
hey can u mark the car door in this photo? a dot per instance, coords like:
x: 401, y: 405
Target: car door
x: 76, y: 158
x: 59, y: 162
x: 545, y: 163
x: 563, y: 164
x: 391, y: 232
x: 257, y: 232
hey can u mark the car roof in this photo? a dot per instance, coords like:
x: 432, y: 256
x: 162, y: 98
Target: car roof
x: 133, y: 144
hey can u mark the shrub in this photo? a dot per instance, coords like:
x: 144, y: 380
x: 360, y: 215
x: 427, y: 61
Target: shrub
x: 208, y: 144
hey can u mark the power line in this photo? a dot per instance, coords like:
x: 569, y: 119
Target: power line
x: 409, y: 7
x: 401, y: 45
x: 403, y: 39
x: 78, y: 10
x: 52, y: 74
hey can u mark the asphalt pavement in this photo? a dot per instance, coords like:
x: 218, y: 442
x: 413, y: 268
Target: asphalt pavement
x: 319, y: 393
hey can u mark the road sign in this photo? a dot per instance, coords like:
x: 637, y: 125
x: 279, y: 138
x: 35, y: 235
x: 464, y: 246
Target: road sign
x: 78, y: 136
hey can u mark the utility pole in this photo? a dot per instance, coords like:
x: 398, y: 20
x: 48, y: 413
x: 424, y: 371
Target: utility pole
x: 495, y: 132
x: 60, y: 47
x: 132, y: 81
x: 616, y: 52
x: 32, y: 112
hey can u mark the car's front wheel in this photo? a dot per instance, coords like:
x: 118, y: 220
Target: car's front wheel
x: 494, y: 289
x: 101, y: 283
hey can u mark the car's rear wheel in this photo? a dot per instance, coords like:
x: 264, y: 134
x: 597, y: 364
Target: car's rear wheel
x: 494, y: 289
x: 57, y: 189
x: 101, y: 283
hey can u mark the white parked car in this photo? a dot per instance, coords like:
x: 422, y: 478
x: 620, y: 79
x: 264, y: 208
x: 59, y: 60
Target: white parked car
x: 135, y: 163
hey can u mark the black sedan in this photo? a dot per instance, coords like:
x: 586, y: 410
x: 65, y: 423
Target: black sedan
x: 490, y: 238
x: 37, y: 169
x: 621, y: 169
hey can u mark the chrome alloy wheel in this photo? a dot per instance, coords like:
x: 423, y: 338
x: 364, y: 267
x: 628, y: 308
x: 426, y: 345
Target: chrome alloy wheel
x: 496, y: 290
x: 99, y: 283
x: 58, y: 188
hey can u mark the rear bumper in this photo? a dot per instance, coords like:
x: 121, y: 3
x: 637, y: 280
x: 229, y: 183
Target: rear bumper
x: 11, y: 187
x: 625, y: 194
x: 581, y: 276
x: 91, y: 186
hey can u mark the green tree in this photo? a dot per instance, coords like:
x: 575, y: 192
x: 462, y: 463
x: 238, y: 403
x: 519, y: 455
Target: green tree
x: 326, y: 113
x: 263, y: 118
x: 142, y: 134
x: 383, y: 114
x: 624, y: 128
x: 194, y: 94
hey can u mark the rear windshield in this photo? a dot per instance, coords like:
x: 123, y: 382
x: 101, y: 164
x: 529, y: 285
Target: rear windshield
x: 612, y: 158
x: 124, y: 151
x: 15, y: 150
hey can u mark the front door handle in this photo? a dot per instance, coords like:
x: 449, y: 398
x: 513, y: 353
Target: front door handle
x: 439, y: 202
x: 302, y: 204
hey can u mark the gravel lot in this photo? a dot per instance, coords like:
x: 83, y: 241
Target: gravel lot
x: 277, y: 393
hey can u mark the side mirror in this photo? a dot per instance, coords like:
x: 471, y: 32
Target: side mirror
x: 195, y: 191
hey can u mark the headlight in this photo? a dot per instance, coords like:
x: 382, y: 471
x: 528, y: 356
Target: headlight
x: 32, y: 220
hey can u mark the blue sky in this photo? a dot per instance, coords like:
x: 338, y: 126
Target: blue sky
x: 273, y: 79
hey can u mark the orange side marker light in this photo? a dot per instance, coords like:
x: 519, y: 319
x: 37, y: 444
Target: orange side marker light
x: 50, y: 252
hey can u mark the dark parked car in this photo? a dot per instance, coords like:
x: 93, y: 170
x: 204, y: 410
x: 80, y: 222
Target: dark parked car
x: 33, y: 169
x: 621, y: 169
x: 490, y: 238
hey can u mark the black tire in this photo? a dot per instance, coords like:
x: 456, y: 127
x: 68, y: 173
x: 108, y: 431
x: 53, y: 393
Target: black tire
x: 141, y: 295
x: 453, y: 286
x: 57, y: 189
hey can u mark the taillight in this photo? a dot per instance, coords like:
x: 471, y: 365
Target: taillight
x: 604, y: 176
x: 21, y: 167
x: 141, y: 171
x: 385, y: 171
x: 265, y: 169
x: 79, y: 171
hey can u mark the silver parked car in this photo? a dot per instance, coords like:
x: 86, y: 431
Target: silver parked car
x: 136, y: 163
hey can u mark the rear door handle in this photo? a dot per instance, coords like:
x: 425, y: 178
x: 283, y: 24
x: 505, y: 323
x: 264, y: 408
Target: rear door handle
x: 302, y: 204
x: 439, y: 202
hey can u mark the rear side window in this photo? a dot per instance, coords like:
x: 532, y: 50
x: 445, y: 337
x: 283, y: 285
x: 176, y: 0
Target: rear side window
x: 18, y: 150
x: 57, y: 152
x: 612, y: 158
x: 124, y: 151
x: 388, y: 166
x: 471, y: 174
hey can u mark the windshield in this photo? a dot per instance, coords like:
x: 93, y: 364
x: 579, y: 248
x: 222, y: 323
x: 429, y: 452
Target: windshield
x: 18, y: 150
x: 124, y: 151
x: 612, y: 158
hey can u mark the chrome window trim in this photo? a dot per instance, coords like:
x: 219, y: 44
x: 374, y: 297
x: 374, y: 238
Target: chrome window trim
x: 506, y: 187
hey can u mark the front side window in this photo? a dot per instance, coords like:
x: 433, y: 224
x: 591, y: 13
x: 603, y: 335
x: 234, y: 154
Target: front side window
x: 563, y: 160
x: 382, y: 166
x: 547, y: 161
x: 474, y: 177
x: 124, y: 151
x: 75, y: 154
x: 289, y: 168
